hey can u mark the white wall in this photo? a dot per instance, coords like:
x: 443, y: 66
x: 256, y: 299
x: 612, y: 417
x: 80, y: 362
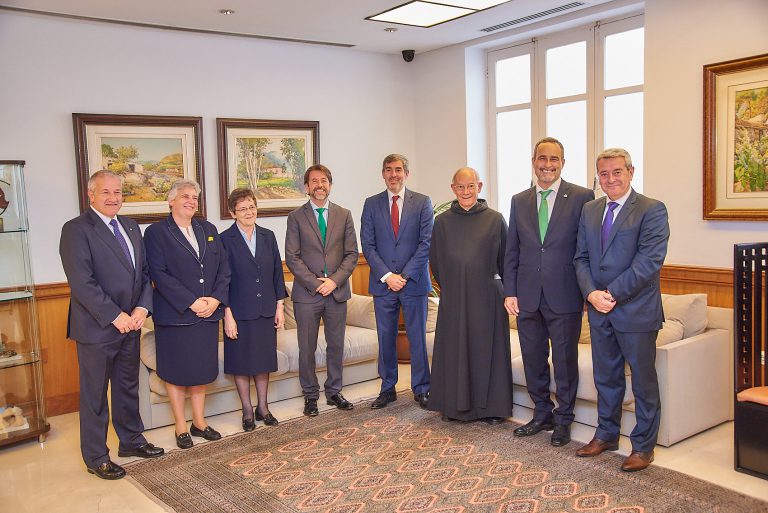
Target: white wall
x: 54, y: 67
x: 680, y: 38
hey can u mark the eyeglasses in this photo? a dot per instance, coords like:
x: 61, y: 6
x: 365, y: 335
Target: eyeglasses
x: 243, y: 210
x: 469, y: 187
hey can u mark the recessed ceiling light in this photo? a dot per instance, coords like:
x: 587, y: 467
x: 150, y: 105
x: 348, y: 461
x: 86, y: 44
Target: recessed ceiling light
x: 227, y: 12
x: 421, y: 14
x: 390, y: 29
x: 429, y: 13
x: 474, y: 4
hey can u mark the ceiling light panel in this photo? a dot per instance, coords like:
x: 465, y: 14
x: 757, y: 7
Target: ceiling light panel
x: 474, y: 4
x: 421, y: 14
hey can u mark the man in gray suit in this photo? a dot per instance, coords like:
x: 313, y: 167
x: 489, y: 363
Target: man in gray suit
x: 104, y: 260
x: 621, y: 246
x: 540, y: 288
x: 321, y: 252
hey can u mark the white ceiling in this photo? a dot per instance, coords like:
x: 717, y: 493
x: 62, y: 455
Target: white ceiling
x: 324, y: 21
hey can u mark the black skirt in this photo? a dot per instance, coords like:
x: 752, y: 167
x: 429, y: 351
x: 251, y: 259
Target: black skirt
x: 255, y: 349
x: 188, y: 355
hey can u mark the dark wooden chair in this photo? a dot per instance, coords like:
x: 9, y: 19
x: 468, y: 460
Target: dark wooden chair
x: 751, y: 378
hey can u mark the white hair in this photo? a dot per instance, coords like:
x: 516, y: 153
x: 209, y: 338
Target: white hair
x: 184, y: 183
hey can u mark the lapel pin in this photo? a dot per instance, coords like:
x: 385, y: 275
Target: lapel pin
x: 210, y: 238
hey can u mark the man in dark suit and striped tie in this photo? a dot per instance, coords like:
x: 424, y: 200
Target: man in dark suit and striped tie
x: 104, y: 260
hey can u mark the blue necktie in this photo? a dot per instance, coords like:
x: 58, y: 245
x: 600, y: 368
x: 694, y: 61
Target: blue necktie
x: 607, y: 224
x: 121, y: 240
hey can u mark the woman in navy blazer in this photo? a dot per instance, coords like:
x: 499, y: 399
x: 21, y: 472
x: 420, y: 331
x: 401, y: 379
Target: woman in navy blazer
x: 189, y: 267
x: 255, y: 307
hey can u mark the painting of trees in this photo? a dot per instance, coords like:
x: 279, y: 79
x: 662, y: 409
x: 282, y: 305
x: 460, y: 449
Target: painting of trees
x: 293, y: 151
x: 750, y: 166
x: 250, y: 153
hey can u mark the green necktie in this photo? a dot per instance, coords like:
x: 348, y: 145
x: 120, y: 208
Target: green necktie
x: 543, y: 214
x: 321, y: 222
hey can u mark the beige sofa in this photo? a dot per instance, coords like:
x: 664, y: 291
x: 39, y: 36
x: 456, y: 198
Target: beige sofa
x: 693, y: 361
x: 360, y: 364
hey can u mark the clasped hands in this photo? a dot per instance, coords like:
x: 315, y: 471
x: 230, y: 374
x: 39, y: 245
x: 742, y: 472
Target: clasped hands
x: 602, y: 300
x: 125, y: 323
x: 395, y: 282
x: 326, y: 287
x: 205, y: 306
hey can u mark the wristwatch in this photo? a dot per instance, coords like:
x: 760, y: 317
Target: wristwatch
x: 405, y: 277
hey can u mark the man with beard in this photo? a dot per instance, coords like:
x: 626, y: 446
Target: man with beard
x: 395, y: 233
x: 321, y: 252
x: 471, y: 368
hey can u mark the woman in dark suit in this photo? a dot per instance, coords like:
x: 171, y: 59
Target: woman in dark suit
x: 189, y: 267
x: 255, y: 307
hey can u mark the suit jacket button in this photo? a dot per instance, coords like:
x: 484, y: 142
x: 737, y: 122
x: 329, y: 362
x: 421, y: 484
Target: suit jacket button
x: 602, y: 268
x: 202, y: 280
x: 257, y: 280
x: 542, y: 250
x: 258, y: 295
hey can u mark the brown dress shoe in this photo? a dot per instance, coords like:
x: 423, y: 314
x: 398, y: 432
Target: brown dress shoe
x: 597, y: 446
x: 637, y: 461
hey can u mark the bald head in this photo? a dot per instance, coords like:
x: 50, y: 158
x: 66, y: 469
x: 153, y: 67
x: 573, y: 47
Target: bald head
x: 466, y: 173
x: 466, y: 185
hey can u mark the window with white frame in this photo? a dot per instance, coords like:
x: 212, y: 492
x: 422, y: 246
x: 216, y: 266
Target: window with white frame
x: 583, y: 87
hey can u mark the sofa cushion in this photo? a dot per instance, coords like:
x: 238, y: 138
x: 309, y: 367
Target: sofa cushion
x: 689, y: 309
x: 360, y: 312
x: 585, y: 336
x: 147, y: 348
x: 433, y: 303
x: 360, y: 344
x: 671, y: 331
x: 290, y: 317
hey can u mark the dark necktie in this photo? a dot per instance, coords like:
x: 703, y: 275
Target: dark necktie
x: 607, y: 224
x: 395, y: 215
x: 121, y: 240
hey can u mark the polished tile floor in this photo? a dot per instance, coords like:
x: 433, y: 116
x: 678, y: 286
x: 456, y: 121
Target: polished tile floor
x: 50, y: 477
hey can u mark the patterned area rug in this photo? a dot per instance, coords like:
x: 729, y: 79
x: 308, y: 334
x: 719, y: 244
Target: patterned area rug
x: 403, y: 459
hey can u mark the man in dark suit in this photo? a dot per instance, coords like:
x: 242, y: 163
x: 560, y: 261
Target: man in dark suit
x: 395, y: 234
x: 321, y: 252
x: 105, y: 263
x: 540, y: 287
x: 621, y: 246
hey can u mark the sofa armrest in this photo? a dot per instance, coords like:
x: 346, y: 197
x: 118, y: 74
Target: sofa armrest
x: 694, y: 384
x: 145, y: 407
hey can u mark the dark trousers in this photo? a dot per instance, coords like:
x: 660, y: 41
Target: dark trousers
x: 101, y: 364
x: 610, y: 349
x: 387, y: 309
x: 536, y: 330
x: 308, y: 317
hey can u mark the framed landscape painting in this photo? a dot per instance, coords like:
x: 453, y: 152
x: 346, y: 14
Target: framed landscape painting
x: 150, y: 153
x: 268, y: 156
x: 736, y: 139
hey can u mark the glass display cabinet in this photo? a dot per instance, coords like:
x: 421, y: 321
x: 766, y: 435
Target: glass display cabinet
x: 22, y: 405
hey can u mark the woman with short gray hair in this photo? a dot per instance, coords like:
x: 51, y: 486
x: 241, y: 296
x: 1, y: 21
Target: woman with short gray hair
x: 189, y: 267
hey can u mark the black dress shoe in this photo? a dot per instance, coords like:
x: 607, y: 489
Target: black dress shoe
x: 249, y: 424
x: 384, y: 399
x: 208, y: 433
x: 534, y: 427
x: 310, y: 407
x: 268, y: 419
x: 493, y: 421
x: 422, y: 399
x: 184, y: 441
x: 108, y: 470
x: 339, y: 402
x: 561, y: 435
x: 143, y: 451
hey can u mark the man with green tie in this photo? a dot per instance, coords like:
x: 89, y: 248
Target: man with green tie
x: 540, y: 287
x: 321, y: 252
